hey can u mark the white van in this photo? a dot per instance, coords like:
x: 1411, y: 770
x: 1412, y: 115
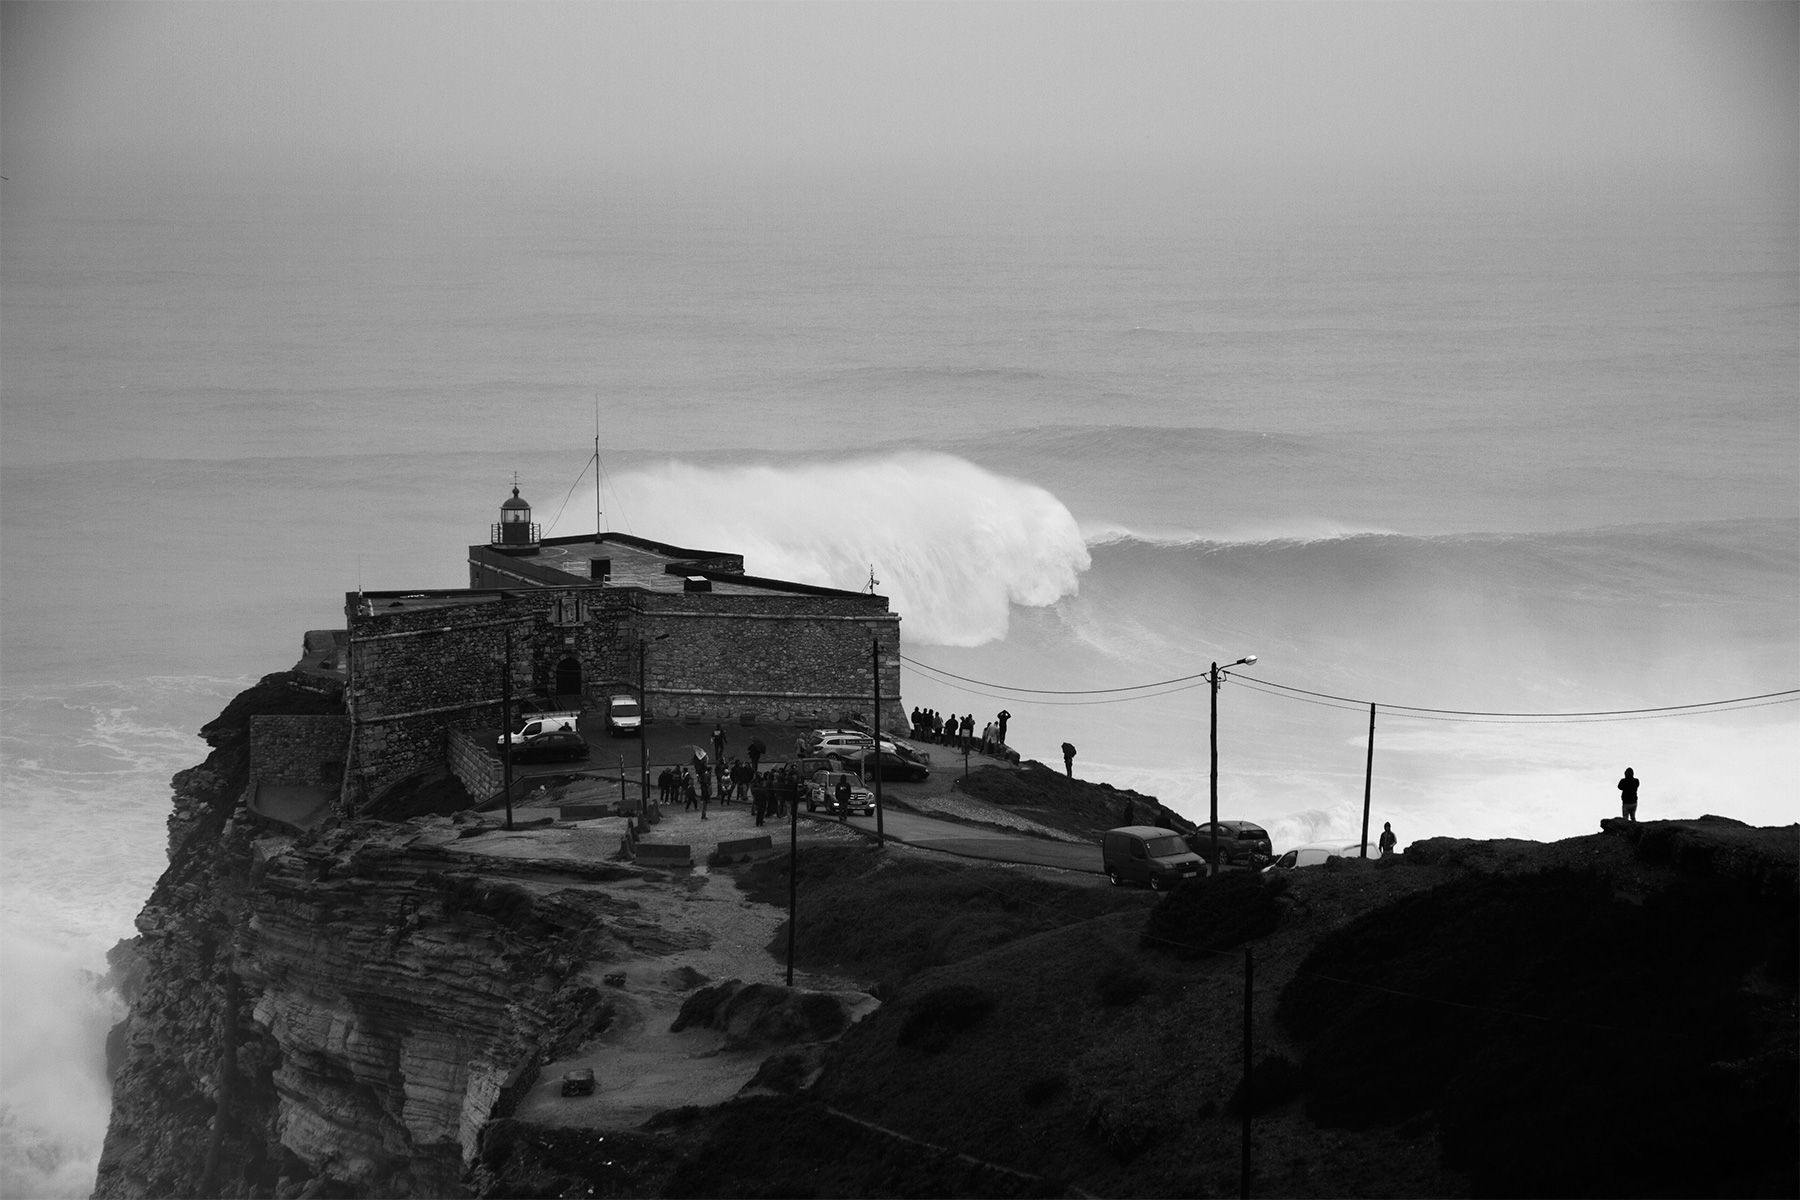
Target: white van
x: 623, y: 716
x: 541, y: 723
x: 1314, y: 854
x: 1148, y: 854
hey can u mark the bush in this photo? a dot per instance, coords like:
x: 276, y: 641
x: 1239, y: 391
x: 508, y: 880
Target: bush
x: 1274, y: 1080
x: 1123, y: 984
x: 935, y: 1018
x: 1208, y: 915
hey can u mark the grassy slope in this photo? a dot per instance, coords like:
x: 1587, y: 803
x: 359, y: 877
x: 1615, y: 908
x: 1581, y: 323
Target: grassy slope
x: 1077, y: 1054
x: 1424, y: 1026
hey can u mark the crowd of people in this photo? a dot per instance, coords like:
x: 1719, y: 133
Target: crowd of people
x: 929, y: 725
x: 771, y: 793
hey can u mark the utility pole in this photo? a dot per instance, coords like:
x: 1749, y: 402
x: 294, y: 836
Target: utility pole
x: 793, y: 878
x: 1244, y: 1164
x: 1368, y: 783
x: 875, y: 726
x: 506, y: 748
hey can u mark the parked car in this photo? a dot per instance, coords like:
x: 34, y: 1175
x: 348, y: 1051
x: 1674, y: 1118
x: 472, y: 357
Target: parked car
x: 864, y: 762
x: 1241, y: 844
x: 1315, y: 854
x: 624, y: 717
x: 830, y: 741
x: 536, y: 723
x: 1150, y: 855
x: 558, y: 745
x: 822, y: 794
x: 579, y: 1082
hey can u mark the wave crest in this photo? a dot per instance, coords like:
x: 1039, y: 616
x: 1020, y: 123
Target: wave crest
x: 954, y: 546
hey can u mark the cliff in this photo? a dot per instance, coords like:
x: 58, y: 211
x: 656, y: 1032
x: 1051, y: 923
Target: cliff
x: 386, y: 1009
x: 342, y: 1013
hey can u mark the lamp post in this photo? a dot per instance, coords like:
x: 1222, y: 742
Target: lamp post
x: 506, y: 779
x: 644, y: 724
x: 1214, y: 676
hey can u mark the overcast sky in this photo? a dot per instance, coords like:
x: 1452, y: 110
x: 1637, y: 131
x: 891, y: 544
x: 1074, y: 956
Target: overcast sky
x: 642, y: 88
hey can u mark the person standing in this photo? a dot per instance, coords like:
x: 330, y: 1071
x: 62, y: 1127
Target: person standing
x: 968, y: 729
x: 1628, y: 790
x: 706, y: 782
x: 843, y: 797
x: 1001, y: 721
x: 757, y: 750
x: 1388, y: 840
x: 1068, y: 760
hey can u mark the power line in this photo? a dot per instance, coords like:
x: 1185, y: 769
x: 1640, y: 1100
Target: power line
x: 1142, y: 691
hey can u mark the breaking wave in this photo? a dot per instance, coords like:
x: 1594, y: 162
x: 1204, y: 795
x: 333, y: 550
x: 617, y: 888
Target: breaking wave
x: 953, y: 545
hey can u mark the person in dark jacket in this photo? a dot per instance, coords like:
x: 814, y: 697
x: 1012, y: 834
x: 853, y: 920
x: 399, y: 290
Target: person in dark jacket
x: 1628, y: 789
x: 1068, y: 760
x: 1388, y: 840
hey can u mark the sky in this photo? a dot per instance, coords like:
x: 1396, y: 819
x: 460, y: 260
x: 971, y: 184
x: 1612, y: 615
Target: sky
x: 642, y: 90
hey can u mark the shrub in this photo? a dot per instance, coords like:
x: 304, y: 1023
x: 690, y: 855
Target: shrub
x: 935, y: 1018
x: 1122, y: 984
x: 1274, y: 1080
x: 1211, y: 914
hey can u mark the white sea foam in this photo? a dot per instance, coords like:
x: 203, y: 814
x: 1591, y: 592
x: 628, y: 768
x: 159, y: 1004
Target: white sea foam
x: 953, y: 546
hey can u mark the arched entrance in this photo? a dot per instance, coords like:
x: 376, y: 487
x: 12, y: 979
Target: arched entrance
x: 568, y: 677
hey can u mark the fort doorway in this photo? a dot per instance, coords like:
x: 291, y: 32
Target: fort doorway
x: 568, y: 677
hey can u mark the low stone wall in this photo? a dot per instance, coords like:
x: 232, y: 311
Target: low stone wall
x: 473, y: 763
x: 306, y: 751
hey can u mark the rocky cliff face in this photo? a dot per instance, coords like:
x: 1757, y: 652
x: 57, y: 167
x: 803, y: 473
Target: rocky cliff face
x: 341, y: 1013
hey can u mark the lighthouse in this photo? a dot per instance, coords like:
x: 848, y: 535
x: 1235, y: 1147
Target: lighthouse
x: 515, y: 533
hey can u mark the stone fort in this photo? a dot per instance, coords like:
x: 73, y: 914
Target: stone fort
x: 571, y: 621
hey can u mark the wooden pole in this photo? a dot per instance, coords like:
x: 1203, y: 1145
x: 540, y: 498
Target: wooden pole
x: 1368, y: 782
x: 1213, y: 772
x: 793, y: 878
x: 875, y: 727
x: 1244, y: 1161
x: 506, y: 730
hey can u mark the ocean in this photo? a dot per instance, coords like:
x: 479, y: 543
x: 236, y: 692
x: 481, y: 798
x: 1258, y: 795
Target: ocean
x: 1507, y: 449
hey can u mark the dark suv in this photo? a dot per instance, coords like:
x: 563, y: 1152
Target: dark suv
x: 1241, y: 844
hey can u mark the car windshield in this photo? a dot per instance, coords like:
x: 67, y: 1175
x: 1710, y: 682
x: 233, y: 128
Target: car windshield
x: 1252, y: 834
x: 1163, y: 846
x: 625, y: 708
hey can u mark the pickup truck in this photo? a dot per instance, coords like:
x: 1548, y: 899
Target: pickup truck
x: 536, y: 723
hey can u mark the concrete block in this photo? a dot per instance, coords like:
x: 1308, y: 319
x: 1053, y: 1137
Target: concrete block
x: 745, y: 847
x: 655, y: 854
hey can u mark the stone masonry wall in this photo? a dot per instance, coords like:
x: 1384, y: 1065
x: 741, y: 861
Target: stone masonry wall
x: 419, y: 672
x: 789, y: 659
x: 304, y: 750
x: 472, y: 761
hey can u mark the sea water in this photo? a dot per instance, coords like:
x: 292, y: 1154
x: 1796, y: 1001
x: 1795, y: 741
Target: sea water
x: 1498, y: 451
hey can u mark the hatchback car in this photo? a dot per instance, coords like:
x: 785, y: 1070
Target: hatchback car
x: 1315, y: 854
x: 1241, y: 844
x: 864, y: 762
x: 559, y: 745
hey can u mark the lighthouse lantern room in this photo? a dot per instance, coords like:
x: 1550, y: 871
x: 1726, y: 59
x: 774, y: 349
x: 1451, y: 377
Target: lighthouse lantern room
x: 515, y: 532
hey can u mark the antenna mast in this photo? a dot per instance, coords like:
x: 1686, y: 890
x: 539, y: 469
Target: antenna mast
x: 598, y: 527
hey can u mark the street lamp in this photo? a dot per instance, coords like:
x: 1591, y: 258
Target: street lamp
x: 643, y: 725
x: 1214, y: 676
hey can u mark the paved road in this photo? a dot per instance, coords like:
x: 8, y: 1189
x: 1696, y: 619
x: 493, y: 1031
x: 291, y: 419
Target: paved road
x: 974, y: 842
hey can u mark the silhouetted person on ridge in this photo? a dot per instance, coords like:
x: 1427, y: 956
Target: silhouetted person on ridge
x: 1001, y: 720
x: 1069, y: 760
x: 1388, y: 840
x: 1628, y: 788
